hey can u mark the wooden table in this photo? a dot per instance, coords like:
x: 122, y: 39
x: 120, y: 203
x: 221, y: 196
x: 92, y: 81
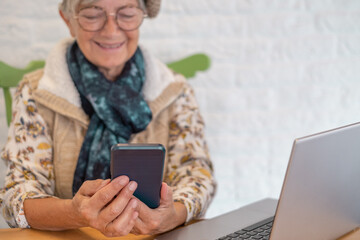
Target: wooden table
x: 78, y: 234
x: 92, y: 234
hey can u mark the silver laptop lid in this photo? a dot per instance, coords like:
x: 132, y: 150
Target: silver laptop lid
x: 320, y: 198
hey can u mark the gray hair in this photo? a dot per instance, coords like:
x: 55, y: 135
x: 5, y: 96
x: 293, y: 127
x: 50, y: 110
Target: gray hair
x: 69, y: 7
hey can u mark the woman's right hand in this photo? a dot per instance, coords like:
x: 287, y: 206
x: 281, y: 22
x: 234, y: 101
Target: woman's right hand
x: 108, y: 206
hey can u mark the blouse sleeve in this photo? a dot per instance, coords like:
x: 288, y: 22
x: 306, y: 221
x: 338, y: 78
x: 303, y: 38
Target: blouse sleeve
x: 189, y: 170
x: 28, y: 158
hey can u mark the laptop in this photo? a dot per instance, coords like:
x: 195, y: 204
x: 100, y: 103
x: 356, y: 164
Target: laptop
x: 320, y: 196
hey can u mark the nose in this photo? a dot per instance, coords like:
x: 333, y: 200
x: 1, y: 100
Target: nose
x: 111, y: 27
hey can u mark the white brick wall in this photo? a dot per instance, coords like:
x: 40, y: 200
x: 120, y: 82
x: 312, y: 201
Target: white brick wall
x: 280, y: 70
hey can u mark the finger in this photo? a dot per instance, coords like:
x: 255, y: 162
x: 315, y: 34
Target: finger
x: 106, y: 194
x: 144, y: 211
x: 117, y: 206
x: 103, y: 184
x: 90, y: 187
x: 147, y: 222
x: 166, y: 195
x: 124, y: 223
x: 140, y: 227
x: 165, y: 200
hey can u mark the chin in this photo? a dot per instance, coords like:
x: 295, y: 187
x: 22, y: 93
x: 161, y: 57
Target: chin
x: 110, y: 63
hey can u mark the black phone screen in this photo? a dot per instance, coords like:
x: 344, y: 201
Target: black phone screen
x: 143, y: 164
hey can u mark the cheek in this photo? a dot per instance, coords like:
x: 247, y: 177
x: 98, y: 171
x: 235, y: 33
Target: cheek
x: 84, y: 40
x: 133, y: 40
x: 133, y: 35
x: 84, y: 37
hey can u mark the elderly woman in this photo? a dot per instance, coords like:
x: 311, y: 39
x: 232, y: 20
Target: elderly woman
x: 98, y: 89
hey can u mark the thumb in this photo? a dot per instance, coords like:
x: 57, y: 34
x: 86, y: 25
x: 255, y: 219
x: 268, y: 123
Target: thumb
x: 166, y: 194
x: 89, y: 188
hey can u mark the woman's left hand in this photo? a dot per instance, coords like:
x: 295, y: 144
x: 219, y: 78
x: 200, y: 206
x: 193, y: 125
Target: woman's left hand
x: 167, y: 216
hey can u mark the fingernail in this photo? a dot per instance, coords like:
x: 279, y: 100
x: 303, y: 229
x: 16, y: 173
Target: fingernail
x: 134, y: 204
x: 122, y: 180
x: 132, y: 186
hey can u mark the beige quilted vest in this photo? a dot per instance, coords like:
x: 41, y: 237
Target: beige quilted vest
x: 68, y: 124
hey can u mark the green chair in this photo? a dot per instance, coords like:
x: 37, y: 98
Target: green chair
x: 10, y: 76
x: 190, y: 65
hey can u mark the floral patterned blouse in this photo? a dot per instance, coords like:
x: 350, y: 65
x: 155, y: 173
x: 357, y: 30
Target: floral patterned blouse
x: 28, y: 157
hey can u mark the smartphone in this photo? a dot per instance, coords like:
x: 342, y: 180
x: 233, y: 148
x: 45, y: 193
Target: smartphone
x: 142, y: 163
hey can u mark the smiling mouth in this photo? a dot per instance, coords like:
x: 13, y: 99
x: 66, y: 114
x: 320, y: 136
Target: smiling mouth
x: 109, y: 46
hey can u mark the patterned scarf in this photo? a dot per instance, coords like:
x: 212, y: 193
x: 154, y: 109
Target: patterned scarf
x: 116, y: 110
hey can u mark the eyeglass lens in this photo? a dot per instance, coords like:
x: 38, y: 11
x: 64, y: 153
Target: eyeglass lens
x: 94, y: 19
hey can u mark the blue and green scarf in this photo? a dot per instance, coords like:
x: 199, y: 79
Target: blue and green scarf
x: 116, y: 110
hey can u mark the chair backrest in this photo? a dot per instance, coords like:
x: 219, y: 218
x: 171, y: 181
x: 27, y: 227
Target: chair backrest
x: 10, y: 76
x: 190, y: 65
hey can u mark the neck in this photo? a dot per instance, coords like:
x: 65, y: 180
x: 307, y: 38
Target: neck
x: 111, y: 73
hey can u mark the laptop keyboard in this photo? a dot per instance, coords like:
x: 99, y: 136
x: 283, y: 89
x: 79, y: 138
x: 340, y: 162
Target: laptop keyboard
x: 259, y: 231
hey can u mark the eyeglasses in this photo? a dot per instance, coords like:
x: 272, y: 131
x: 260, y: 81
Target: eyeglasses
x: 93, y: 19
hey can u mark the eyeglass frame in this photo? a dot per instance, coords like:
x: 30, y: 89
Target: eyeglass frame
x: 114, y: 14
